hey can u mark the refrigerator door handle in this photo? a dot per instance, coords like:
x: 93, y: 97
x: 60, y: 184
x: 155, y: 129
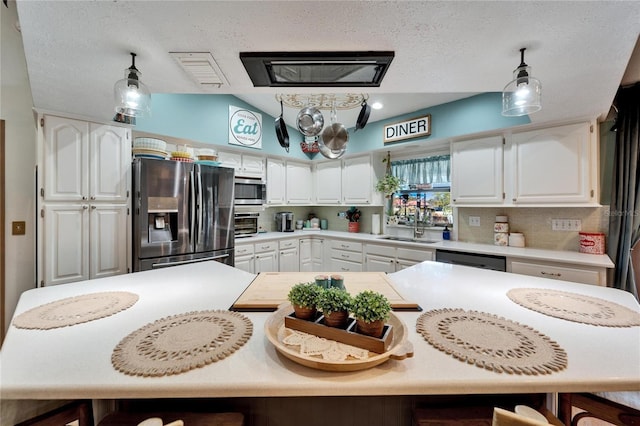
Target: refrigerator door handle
x: 184, y: 262
x: 192, y: 210
x: 199, y: 207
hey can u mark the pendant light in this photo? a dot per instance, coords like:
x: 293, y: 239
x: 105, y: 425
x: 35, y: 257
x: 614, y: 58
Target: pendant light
x: 131, y: 95
x: 522, y: 95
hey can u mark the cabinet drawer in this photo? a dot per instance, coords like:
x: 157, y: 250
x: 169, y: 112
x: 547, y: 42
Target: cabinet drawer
x: 243, y: 250
x: 266, y: 246
x: 350, y: 256
x: 415, y: 255
x: 288, y: 244
x: 345, y: 266
x: 578, y: 275
x: 380, y: 250
x: 346, y: 245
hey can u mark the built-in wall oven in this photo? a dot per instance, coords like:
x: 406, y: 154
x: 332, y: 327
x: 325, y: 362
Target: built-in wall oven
x: 246, y: 224
x: 250, y: 192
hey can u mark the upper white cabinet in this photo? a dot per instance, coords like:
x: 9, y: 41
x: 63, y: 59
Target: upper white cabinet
x: 477, y: 171
x: 328, y: 182
x: 298, y: 183
x: 357, y: 180
x: 85, y: 161
x: 555, y: 166
x: 276, y: 175
x: 246, y: 165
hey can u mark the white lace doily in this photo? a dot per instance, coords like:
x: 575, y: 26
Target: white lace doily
x: 329, y: 350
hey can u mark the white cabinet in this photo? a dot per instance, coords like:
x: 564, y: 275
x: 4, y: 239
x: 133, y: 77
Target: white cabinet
x: 357, y: 180
x: 83, y: 241
x: 328, y: 182
x: 243, y: 257
x: 276, y: 176
x: 559, y: 271
x: 288, y: 257
x: 245, y: 165
x: 85, y: 161
x: 84, y: 183
x: 317, y: 255
x: 265, y: 257
x: 477, y: 171
x: 554, y: 165
x: 306, y: 260
x: 298, y: 183
x: 384, y: 258
x: 345, y: 256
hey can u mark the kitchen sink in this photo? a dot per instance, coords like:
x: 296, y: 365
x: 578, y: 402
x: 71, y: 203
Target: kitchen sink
x: 407, y: 239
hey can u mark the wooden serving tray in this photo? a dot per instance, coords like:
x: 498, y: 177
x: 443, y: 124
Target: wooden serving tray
x: 400, y: 347
x: 270, y: 289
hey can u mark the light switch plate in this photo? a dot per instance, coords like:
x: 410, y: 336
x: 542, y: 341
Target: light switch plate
x: 474, y: 220
x: 18, y: 228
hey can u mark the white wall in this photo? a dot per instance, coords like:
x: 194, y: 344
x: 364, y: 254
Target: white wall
x: 16, y: 109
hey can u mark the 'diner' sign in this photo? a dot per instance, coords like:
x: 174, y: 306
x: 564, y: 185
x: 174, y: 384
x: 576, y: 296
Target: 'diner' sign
x: 245, y: 127
x: 413, y: 128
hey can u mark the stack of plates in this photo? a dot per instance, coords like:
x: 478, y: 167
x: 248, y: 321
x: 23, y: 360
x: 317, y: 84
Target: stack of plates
x: 183, y: 156
x: 149, y: 148
x: 208, y: 162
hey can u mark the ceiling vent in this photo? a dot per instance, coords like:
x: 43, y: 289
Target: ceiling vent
x: 202, y: 68
x: 316, y: 69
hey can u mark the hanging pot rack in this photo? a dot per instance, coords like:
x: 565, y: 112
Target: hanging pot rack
x: 324, y: 101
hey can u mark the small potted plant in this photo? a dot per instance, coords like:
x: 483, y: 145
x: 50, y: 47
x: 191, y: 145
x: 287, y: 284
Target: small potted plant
x: 353, y: 216
x: 335, y: 304
x: 371, y: 310
x: 388, y: 185
x: 304, y: 298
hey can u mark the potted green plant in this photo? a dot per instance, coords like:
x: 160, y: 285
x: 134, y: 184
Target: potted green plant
x: 371, y: 310
x: 353, y: 216
x: 335, y: 304
x: 304, y: 298
x: 388, y: 185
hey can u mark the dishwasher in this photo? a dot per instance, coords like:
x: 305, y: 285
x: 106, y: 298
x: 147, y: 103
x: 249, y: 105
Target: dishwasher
x: 482, y: 261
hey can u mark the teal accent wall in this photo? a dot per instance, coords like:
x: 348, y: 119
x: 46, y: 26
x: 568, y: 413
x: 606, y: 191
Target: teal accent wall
x: 204, y: 119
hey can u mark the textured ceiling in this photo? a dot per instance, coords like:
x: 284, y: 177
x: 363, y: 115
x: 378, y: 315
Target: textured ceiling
x: 444, y: 50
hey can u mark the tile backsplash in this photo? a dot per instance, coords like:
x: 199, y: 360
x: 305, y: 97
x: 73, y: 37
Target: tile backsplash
x: 335, y: 223
x: 534, y: 223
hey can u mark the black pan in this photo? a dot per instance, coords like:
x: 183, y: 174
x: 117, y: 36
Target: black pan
x: 363, y: 117
x: 281, y: 130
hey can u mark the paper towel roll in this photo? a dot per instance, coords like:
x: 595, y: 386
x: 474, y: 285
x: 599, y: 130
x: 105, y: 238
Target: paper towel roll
x: 375, y: 224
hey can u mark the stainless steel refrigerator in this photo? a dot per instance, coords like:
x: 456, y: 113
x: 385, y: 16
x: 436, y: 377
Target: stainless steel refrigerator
x: 182, y: 213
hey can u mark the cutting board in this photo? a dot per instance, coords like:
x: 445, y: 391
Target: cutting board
x: 269, y: 289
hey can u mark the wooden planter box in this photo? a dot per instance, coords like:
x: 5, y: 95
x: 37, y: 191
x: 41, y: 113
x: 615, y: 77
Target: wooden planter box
x: 347, y: 335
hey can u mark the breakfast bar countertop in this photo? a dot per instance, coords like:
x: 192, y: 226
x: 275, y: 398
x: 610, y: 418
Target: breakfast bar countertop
x: 76, y: 361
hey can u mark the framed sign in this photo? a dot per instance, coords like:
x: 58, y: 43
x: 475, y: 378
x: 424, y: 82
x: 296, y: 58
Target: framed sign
x: 412, y: 128
x: 245, y: 127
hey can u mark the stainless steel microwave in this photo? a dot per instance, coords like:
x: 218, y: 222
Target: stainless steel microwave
x: 250, y: 192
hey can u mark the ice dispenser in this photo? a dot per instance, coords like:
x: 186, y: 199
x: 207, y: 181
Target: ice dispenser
x: 163, y: 219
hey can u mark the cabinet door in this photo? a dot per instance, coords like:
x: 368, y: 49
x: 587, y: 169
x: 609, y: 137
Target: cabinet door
x: 299, y: 183
x: 275, y: 181
x: 66, y: 154
x: 266, y: 262
x: 552, y: 165
x: 245, y: 263
x: 328, y: 183
x: 66, y: 243
x: 317, y: 255
x: 110, y: 162
x: 252, y: 166
x: 592, y: 275
x: 231, y: 159
x: 357, y: 183
x: 306, y: 264
x: 289, y: 260
x: 374, y: 263
x: 477, y: 171
x: 108, y: 240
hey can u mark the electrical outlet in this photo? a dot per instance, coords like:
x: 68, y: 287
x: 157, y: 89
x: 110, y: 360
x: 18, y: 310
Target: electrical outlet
x: 474, y: 220
x: 18, y: 228
x: 342, y: 215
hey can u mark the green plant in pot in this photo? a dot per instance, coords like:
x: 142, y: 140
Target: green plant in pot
x: 335, y: 304
x: 304, y: 298
x: 388, y: 185
x: 371, y: 310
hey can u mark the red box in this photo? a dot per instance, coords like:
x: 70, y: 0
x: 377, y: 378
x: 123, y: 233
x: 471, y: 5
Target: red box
x: 592, y: 242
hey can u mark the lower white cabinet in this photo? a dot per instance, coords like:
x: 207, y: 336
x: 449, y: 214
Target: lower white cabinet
x: 306, y: 264
x: 381, y: 258
x: 265, y: 257
x: 243, y: 257
x: 559, y: 271
x: 345, y: 256
x: 288, y: 256
x: 311, y: 255
x: 83, y: 241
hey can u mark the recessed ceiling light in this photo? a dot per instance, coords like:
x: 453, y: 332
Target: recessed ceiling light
x: 316, y: 69
x: 377, y: 105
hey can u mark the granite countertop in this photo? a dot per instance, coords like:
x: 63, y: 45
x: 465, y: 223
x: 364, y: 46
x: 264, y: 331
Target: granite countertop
x: 75, y: 361
x: 572, y: 257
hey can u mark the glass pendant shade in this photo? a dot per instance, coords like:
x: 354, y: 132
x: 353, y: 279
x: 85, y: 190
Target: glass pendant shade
x: 523, y: 94
x: 132, y: 97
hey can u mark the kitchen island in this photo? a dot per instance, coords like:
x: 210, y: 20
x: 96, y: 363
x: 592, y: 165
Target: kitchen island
x: 75, y: 361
